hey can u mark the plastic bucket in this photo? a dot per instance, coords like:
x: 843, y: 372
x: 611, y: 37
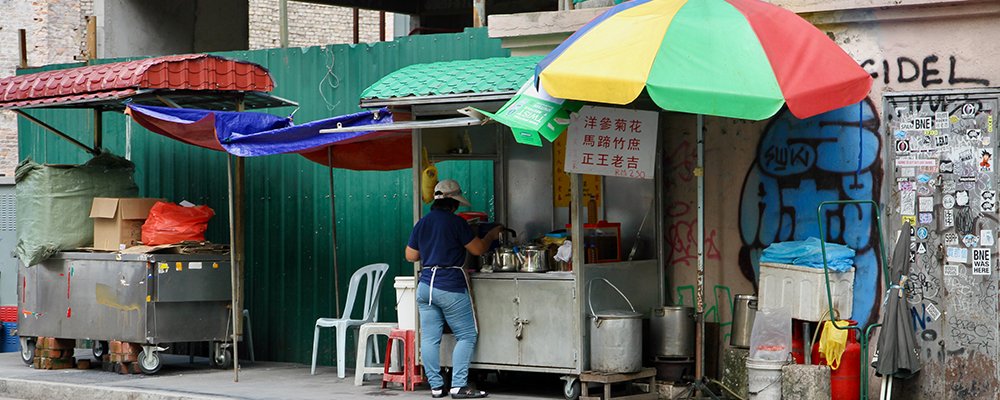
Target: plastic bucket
x: 406, y: 302
x: 764, y: 379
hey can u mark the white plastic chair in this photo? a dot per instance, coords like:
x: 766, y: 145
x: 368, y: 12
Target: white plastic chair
x: 374, y: 274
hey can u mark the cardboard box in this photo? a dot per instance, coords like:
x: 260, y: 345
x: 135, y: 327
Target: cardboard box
x: 118, y: 221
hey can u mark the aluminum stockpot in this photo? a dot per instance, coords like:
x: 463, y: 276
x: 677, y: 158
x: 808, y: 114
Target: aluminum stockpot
x: 615, y: 337
x: 744, y: 311
x: 533, y: 258
x: 673, y: 331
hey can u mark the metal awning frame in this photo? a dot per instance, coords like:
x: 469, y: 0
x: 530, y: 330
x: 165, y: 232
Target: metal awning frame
x: 463, y: 98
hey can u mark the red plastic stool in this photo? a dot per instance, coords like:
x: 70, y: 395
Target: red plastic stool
x: 412, y: 373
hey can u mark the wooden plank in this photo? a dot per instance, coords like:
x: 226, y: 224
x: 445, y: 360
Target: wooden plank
x: 610, y: 377
x: 91, y: 37
x: 22, y: 41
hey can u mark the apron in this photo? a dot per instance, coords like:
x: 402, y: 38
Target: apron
x: 468, y: 290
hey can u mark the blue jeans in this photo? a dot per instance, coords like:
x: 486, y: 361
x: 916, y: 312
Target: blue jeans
x: 456, y: 309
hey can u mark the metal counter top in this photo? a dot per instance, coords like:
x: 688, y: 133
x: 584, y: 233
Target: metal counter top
x: 66, y: 255
x: 561, y: 275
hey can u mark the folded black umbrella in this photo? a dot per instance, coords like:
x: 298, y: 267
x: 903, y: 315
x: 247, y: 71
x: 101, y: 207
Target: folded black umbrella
x: 897, y: 354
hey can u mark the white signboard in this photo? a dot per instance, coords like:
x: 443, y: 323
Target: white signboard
x: 981, y: 264
x: 612, y: 142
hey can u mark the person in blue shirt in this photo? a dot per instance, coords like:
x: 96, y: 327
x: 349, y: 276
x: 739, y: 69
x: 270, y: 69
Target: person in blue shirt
x: 440, y: 241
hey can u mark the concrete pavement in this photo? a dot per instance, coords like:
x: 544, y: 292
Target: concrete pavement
x: 262, y: 381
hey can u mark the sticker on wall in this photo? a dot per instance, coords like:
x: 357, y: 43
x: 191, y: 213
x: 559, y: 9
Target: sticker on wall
x: 926, y: 204
x: 986, y: 237
x: 969, y: 110
x: 965, y: 154
x: 906, y: 186
x: 970, y: 240
x: 962, y: 198
x: 951, y: 239
x: 923, y: 178
x: 947, y: 201
x: 907, y: 172
x: 922, y: 233
x: 951, y: 270
x: 903, y: 147
x: 989, y: 201
x: 986, y: 160
x: 981, y: 263
x: 925, y: 218
x: 900, y: 135
x: 923, y: 123
x: 967, y: 179
x: 986, y: 140
x: 941, y: 140
x: 989, y: 124
x: 974, y: 135
x: 949, y: 186
x: 957, y: 255
x: 907, y: 203
x: 933, y: 311
x: 916, y: 162
x: 946, y: 166
x: 912, y: 219
x: 965, y: 221
x: 949, y: 218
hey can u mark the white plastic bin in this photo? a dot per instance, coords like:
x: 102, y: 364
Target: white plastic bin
x: 803, y: 290
x: 406, y: 302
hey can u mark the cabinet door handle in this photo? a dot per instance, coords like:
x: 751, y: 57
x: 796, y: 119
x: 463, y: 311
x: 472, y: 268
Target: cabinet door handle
x: 519, y: 327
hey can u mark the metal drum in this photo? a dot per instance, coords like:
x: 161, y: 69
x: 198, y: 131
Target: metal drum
x: 673, y: 330
x: 615, y: 337
x: 744, y: 311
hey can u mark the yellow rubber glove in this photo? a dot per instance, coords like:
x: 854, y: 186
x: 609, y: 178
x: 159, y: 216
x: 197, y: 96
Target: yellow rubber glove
x: 428, y: 179
x: 832, y: 343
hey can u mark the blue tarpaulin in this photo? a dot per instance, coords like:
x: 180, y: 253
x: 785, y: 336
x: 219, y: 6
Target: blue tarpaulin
x: 249, y: 134
x: 808, y: 253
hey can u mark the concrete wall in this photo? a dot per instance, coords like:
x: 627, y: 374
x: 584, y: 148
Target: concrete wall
x: 312, y: 24
x: 131, y: 28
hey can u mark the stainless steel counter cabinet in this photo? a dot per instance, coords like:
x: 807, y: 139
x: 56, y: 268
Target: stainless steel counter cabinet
x: 152, y: 299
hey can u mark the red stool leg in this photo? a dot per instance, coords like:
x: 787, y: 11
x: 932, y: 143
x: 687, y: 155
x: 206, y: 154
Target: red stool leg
x: 388, y: 360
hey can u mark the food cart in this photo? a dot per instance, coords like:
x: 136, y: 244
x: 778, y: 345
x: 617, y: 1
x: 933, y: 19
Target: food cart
x: 150, y: 299
x: 531, y: 321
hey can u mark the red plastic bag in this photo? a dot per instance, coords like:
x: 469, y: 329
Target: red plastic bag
x: 169, y: 223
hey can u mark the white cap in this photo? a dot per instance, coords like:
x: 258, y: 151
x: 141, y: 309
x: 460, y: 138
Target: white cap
x: 449, y: 189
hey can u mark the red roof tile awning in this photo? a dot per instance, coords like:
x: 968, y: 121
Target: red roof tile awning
x: 189, y: 79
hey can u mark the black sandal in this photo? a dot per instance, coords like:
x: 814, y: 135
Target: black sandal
x: 468, y: 393
x: 438, y: 393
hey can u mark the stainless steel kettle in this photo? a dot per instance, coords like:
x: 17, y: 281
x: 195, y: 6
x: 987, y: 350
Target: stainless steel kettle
x: 533, y: 258
x: 505, y: 260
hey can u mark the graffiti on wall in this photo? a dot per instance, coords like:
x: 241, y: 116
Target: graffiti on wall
x: 798, y: 165
x: 929, y: 71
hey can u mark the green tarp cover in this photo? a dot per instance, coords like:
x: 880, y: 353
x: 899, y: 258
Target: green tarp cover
x: 54, y: 201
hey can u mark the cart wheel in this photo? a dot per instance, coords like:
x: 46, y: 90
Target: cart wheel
x: 27, y: 349
x: 224, y: 358
x: 149, y: 362
x: 100, y: 349
x: 571, y: 390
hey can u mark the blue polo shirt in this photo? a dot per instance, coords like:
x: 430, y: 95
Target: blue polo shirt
x: 440, y: 237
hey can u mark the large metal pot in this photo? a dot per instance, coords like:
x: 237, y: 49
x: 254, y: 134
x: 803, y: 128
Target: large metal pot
x: 505, y: 260
x: 615, y: 337
x: 744, y: 311
x: 673, y: 330
x: 533, y: 259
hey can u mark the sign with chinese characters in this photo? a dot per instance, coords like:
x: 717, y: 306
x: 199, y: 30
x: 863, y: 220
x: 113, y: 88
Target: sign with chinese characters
x: 612, y: 142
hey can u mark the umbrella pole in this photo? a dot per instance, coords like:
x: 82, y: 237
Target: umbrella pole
x: 699, y: 362
x: 232, y: 263
x: 333, y: 234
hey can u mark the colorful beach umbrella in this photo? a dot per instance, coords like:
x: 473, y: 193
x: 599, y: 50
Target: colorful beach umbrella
x: 730, y: 58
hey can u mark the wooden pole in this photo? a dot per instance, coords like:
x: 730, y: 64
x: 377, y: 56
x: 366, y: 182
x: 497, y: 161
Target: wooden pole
x: 381, y: 26
x: 478, y: 13
x: 22, y: 41
x: 234, y: 174
x: 232, y: 265
x: 357, y: 28
x: 283, y: 23
x: 91, y: 37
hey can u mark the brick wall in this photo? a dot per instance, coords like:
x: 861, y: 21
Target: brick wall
x: 55, y: 31
x: 311, y: 24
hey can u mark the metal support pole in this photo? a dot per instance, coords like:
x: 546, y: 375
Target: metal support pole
x: 283, y: 23
x: 333, y: 232
x: 659, y: 180
x: 59, y: 133
x: 22, y: 44
x: 232, y: 264
x: 381, y: 26
x: 98, y: 130
x: 700, y: 294
x: 128, y: 137
x: 357, y: 27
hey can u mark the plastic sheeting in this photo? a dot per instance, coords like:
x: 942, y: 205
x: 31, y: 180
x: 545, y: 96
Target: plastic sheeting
x: 808, y: 253
x: 54, y: 201
x: 250, y: 134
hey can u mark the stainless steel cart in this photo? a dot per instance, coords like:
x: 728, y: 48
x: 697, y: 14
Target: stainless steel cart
x: 152, y: 299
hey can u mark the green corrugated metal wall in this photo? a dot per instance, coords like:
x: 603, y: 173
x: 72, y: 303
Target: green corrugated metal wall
x: 289, y: 270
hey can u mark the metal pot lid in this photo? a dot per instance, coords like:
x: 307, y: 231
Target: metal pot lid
x: 617, y: 314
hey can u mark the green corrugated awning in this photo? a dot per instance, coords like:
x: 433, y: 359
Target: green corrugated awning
x: 452, y: 81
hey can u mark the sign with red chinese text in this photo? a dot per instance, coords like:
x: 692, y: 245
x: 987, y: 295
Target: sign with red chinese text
x: 612, y: 142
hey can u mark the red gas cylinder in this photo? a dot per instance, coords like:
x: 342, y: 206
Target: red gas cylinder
x: 845, y: 381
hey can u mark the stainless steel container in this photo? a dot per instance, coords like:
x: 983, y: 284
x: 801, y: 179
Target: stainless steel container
x: 505, y: 260
x: 673, y: 331
x: 533, y: 259
x: 744, y: 311
x: 615, y: 337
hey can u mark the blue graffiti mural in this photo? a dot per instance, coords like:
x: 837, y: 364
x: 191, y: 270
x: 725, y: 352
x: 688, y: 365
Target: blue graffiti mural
x: 800, y: 163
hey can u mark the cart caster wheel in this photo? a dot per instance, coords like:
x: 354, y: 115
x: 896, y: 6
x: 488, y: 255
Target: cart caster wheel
x: 100, y: 349
x: 149, y: 362
x: 223, y: 358
x: 27, y: 349
x: 571, y: 390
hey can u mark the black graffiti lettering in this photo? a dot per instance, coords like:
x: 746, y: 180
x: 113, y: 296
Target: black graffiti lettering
x: 928, y: 72
x: 784, y: 157
x: 900, y: 70
x: 885, y: 67
x: 952, y: 79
